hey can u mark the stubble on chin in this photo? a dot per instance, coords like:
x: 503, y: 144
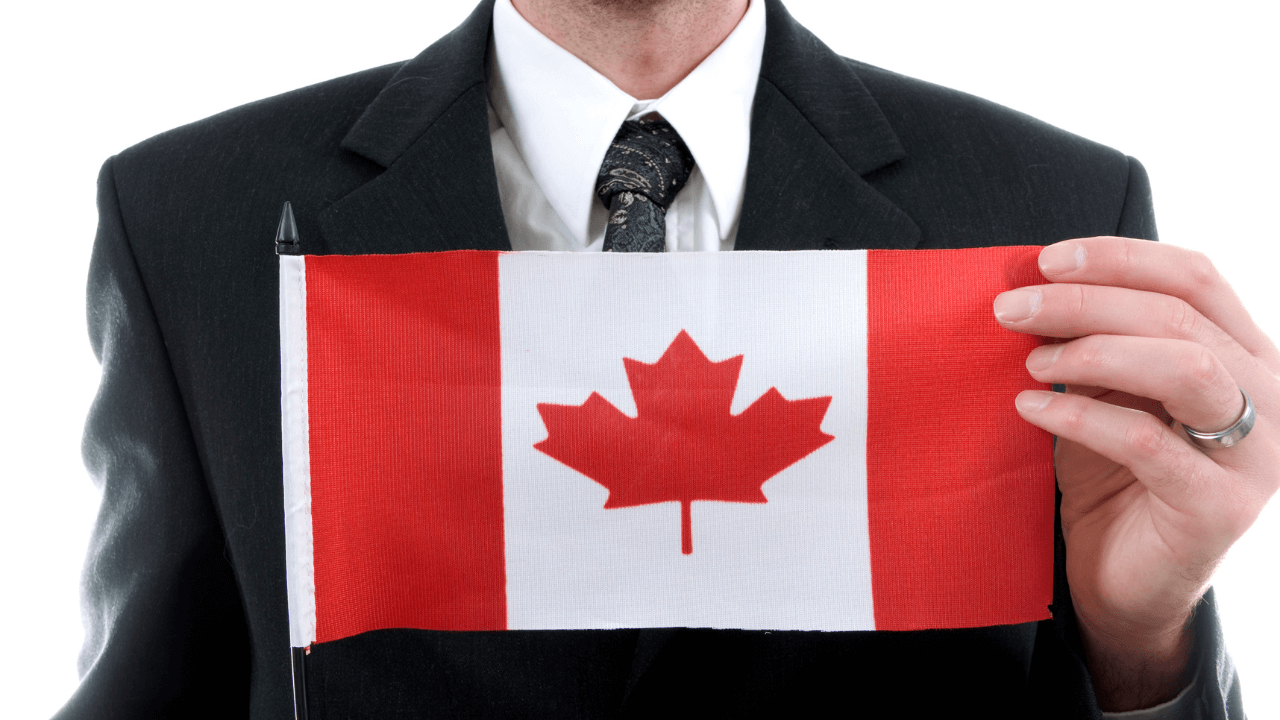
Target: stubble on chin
x: 630, y: 6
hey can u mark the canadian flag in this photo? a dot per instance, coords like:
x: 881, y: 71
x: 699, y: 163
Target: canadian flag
x: 794, y: 441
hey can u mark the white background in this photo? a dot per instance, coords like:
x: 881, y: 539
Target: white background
x: 1188, y: 90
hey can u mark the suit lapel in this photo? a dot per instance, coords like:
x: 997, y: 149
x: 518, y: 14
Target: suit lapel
x: 429, y: 128
x: 815, y: 132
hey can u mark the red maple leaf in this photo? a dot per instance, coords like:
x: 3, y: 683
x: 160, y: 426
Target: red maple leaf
x: 684, y: 444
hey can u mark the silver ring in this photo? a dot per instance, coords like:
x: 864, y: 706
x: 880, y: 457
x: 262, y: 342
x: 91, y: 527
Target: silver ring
x: 1230, y: 436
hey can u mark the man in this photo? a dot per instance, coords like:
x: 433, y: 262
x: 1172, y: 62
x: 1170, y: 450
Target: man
x: 478, y: 142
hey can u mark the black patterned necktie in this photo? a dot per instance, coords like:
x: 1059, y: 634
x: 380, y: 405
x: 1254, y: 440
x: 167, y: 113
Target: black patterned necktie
x: 645, y: 167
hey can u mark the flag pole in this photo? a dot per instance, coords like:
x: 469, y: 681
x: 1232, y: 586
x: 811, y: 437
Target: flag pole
x: 298, y: 662
x: 287, y: 244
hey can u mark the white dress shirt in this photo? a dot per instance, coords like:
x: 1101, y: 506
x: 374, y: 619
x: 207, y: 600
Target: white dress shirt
x: 553, y: 117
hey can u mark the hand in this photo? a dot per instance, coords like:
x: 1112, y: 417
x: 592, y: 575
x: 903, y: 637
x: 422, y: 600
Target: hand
x: 1157, y: 339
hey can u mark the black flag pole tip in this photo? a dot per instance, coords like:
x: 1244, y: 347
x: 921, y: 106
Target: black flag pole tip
x: 287, y: 233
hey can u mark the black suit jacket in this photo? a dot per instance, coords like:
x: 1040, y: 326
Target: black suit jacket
x: 185, y: 581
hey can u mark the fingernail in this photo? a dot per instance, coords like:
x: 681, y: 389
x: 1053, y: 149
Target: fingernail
x: 1017, y: 305
x: 1032, y: 400
x: 1043, y: 357
x: 1061, y: 258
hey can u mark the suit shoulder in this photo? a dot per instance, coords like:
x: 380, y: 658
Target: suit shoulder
x: 931, y: 118
x: 314, y: 117
x: 977, y: 172
x: 233, y: 170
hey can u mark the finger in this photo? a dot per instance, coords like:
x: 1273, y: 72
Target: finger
x: 1169, y: 467
x: 1074, y: 310
x: 1123, y: 399
x: 1158, y: 268
x: 1186, y: 377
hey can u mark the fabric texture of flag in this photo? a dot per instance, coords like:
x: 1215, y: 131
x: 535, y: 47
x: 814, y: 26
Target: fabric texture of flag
x: 815, y: 440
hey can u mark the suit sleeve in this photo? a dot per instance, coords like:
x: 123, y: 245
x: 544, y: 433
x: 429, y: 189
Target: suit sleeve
x: 1138, y: 215
x: 165, y: 634
x: 1213, y: 687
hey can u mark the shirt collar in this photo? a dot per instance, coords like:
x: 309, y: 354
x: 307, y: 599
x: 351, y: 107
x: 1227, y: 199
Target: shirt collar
x: 561, y: 114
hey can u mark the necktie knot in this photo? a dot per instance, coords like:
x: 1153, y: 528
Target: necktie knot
x: 646, y: 165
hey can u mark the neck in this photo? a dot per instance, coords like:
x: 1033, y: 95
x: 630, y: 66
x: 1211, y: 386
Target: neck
x: 645, y: 47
